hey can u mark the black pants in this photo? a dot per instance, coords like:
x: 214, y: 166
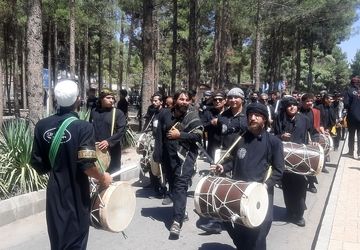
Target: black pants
x: 294, y: 190
x: 115, y: 162
x: 252, y: 238
x: 179, y: 178
x: 352, y: 129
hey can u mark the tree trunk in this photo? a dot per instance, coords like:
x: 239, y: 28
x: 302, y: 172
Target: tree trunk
x: 86, y: 62
x: 121, y: 51
x: 72, y: 38
x: 298, y: 59
x: 310, y: 63
x: 257, y: 49
x: 50, y: 90
x: 100, y: 63
x: 1, y: 91
x: 16, y: 78
x: 174, y: 47
x: 130, y: 49
x: 55, y: 53
x: 23, y: 74
x: 156, y: 41
x: 34, y: 60
x: 110, y: 66
x: 192, y: 63
x: 147, y: 87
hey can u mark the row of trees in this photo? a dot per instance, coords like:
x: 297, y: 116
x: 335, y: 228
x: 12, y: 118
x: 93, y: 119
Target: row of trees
x: 147, y: 44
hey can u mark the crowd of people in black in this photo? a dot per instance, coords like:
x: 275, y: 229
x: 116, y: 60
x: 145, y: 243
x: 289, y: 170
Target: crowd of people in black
x: 252, y: 126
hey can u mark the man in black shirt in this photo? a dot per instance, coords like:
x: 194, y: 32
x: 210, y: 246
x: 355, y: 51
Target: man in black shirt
x: 251, y: 160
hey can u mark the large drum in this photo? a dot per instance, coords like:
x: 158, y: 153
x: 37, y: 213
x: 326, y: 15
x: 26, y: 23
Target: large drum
x: 112, y: 209
x: 326, y: 141
x: 303, y: 159
x: 103, y: 159
x: 245, y: 203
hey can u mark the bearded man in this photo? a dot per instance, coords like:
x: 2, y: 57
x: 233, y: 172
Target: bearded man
x: 258, y: 157
x: 178, y: 130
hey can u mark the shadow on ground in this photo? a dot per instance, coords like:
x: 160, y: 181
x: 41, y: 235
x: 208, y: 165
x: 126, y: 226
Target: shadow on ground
x: 215, y: 246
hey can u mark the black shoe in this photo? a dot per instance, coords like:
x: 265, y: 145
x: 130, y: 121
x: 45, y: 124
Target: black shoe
x: 348, y: 154
x: 186, y: 216
x: 175, y: 231
x: 313, y: 189
x: 299, y: 222
x: 324, y: 170
x: 211, y: 227
x: 167, y: 201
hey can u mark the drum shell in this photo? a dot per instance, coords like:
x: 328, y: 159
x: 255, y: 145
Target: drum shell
x: 103, y: 159
x: 231, y: 200
x: 326, y: 141
x: 113, y: 208
x: 303, y: 159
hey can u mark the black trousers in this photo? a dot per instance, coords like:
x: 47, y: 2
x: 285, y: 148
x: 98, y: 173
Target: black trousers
x: 294, y: 191
x: 179, y: 178
x: 353, y: 128
x: 252, y: 238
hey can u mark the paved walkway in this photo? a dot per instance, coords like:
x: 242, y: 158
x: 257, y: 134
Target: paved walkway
x: 340, y: 229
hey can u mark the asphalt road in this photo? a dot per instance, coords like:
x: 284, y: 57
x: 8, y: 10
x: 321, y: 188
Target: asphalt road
x: 149, y: 228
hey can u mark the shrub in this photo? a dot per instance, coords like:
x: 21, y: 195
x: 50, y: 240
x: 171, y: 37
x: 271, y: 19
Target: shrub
x: 15, y: 149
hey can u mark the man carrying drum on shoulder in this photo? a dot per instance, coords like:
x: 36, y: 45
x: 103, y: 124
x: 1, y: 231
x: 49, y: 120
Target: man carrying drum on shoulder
x: 257, y: 157
x: 68, y: 165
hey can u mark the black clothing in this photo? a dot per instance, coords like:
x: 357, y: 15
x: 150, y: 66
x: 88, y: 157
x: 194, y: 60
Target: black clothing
x: 91, y: 102
x: 327, y: 116
x: 178, y: 156
x: 68, y: 193
x: 232, y: 125
x: 149, y: 116
x: 101, y: 118
x: 352, y: 104
x: 294, y: 185
x: 214, y: 136
x: 123, y: 105
x: 252, y: 157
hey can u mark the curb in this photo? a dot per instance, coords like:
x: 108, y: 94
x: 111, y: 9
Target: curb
x: 25, y: 205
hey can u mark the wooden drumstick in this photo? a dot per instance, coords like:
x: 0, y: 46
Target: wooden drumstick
x: 230, y: 149
x: 174, y: 126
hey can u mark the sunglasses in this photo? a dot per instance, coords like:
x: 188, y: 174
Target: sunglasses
x: 218, y: 99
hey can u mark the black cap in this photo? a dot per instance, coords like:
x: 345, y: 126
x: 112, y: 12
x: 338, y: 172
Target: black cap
x: 257, y: 107
x: 288, y: 101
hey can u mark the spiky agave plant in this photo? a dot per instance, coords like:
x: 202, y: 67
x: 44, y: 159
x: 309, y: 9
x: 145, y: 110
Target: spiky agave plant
x: 128, y: 139
x: 15, y: 147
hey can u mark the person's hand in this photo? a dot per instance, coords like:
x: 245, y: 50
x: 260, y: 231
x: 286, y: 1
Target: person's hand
x: 214, y: 121
x: 173, y: 134
x: 286, y: 137
x: 105, y: 180
x: 218, y: 168
x: 103, y: 145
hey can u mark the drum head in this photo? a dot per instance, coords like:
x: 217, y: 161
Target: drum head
x: 197, y: 193
x: 120, y: 206
x: 254, y: 204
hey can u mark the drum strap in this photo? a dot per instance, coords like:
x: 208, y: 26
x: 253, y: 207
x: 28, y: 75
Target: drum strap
x: 55, y: 144
x: 113, y: 121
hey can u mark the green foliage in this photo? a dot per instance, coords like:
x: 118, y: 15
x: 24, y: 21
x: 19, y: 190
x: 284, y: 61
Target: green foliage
x: 128, y: 139
x: 15, y: 152
x: 355, y: 66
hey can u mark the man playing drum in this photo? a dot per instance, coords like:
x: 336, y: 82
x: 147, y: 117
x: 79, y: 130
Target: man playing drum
x: 293, y: 126
x: 68, y: 192
x: 258, y: 157
x: 177, y: 132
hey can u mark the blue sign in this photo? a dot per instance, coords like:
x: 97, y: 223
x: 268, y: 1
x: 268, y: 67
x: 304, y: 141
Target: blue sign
x: 46, y: 78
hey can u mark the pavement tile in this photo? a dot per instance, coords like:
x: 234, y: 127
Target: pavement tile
x: 335, y: 245
x: 351, y: 246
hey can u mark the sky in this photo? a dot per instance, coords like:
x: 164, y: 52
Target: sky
x: 353, y: 44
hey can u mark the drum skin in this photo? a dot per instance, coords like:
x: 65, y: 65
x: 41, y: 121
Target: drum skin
x: 326, y: 141
x: 303, y: 159
x: 113, y: 208
x: 245, y: 203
